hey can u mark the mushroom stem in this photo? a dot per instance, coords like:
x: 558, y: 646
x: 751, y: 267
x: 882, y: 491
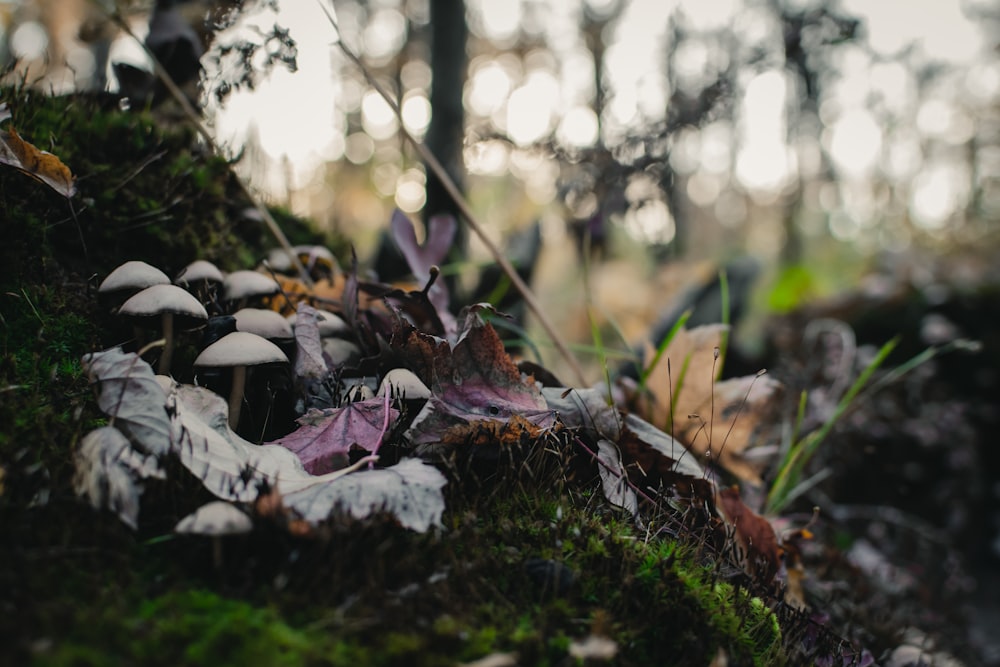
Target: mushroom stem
x: 236, y: 395
x: 168, y: 348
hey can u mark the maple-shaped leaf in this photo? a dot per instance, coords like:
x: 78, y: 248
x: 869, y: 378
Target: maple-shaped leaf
x: 759, y: 552
x: 474, y: 380
x: 325, y: 437
x: 40, y: 165
x: 721, y: 419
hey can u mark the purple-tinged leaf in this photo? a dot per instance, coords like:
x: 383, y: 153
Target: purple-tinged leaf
x: 420, y: 258
x: 440, y: 235
x: 476, y: 381
x: 325, y: 437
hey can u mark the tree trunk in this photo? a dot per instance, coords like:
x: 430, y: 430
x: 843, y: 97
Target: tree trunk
x: 446, y: 131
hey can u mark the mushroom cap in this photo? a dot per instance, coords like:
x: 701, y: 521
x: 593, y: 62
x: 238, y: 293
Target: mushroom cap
x: 215, y: 518
x: 240, y: 348
x: 199, y: 270
x: 266, y: 323
x: 339, y: 350
x: 246, y: 284
x: 330, y: 324
x: 133, y: 275
x: 309, y: 255
x: 403, y: 382
x: 159, y: 299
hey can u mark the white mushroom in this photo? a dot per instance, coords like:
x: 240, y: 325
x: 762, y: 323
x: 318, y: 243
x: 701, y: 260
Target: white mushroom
x: 403, y: 383
x: 197, y: 271
x: 330, y: 324
x: 239, y: 350
x: 216, y: 519
x: 201, y: 278
x: 174, y: 308
x: 310, y: 256
x: 129, y: 278
x: 265, y: 323
x: 241, y: 286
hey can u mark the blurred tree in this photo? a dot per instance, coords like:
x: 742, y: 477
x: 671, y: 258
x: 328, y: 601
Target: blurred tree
x: 446, y: 133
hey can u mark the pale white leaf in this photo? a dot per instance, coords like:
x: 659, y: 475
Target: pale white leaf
x: 109, y: 473
x: 129, y: 393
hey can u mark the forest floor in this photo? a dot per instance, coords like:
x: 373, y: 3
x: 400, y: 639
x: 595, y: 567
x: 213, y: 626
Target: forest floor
x: 530, y: 564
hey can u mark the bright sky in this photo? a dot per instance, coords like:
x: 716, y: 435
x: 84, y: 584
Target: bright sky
x: 301, y: 118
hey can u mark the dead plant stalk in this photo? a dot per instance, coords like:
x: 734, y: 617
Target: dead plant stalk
x: 463, y: 206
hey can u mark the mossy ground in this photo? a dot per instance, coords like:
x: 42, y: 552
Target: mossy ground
x: 79, y: 588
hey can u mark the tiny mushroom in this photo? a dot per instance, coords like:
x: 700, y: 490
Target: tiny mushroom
x: 268, y: 324
x: 330, y: 324
x: 174, y: 308
x: 265, y: 323
x: 201, y: 278
x: 216, y: 519
x: 239, y: 350
x: 242, y: 286
x: 403, y: 383
x: 316, y: 259
x: 129, y: 278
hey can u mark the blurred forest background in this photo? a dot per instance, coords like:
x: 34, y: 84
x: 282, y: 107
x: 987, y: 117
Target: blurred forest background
x: 827, y: 141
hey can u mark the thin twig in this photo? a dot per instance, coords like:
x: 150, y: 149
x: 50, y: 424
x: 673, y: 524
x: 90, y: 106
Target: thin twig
x: 195, y: 119
x: 463, y: 206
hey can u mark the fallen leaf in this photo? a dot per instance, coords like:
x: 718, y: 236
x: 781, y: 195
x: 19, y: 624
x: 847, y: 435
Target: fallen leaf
x: 410, y: 491
x: 40, y: 165
x: 129, y: 393
x: 614, y: 481
x: 109, y: 473
x: 650, y: 460
x: 721, y: 419
x: 759, y: 553
x: 232, y: 468
x: 475, y: 380
x: 325, y: 437
x: 420, y: 258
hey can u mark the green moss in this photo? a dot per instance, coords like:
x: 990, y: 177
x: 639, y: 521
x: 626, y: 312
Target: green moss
x: 83, y: 590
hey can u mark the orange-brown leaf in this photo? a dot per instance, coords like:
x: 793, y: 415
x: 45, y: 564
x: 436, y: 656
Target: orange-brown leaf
x: 759, y: 550
x: 40, y: 165
x: 717, y: 418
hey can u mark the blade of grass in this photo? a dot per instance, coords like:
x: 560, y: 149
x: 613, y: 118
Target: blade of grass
x: 724, y: 339
x: 662, y: 347
x: 801, y: 453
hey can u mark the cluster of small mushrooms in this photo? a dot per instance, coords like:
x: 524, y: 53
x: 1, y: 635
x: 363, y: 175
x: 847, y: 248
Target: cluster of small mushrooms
x: 247, y: 334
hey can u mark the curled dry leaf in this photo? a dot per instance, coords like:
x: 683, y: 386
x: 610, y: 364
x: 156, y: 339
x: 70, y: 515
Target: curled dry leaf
x: 129, y: 393
x: 475, y: 380
x: 420, y: 258
x: 614, y: 481
x: 648, y: 458
x: 109, y: 473
x: 759, y: 553
x: 40, y: 165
